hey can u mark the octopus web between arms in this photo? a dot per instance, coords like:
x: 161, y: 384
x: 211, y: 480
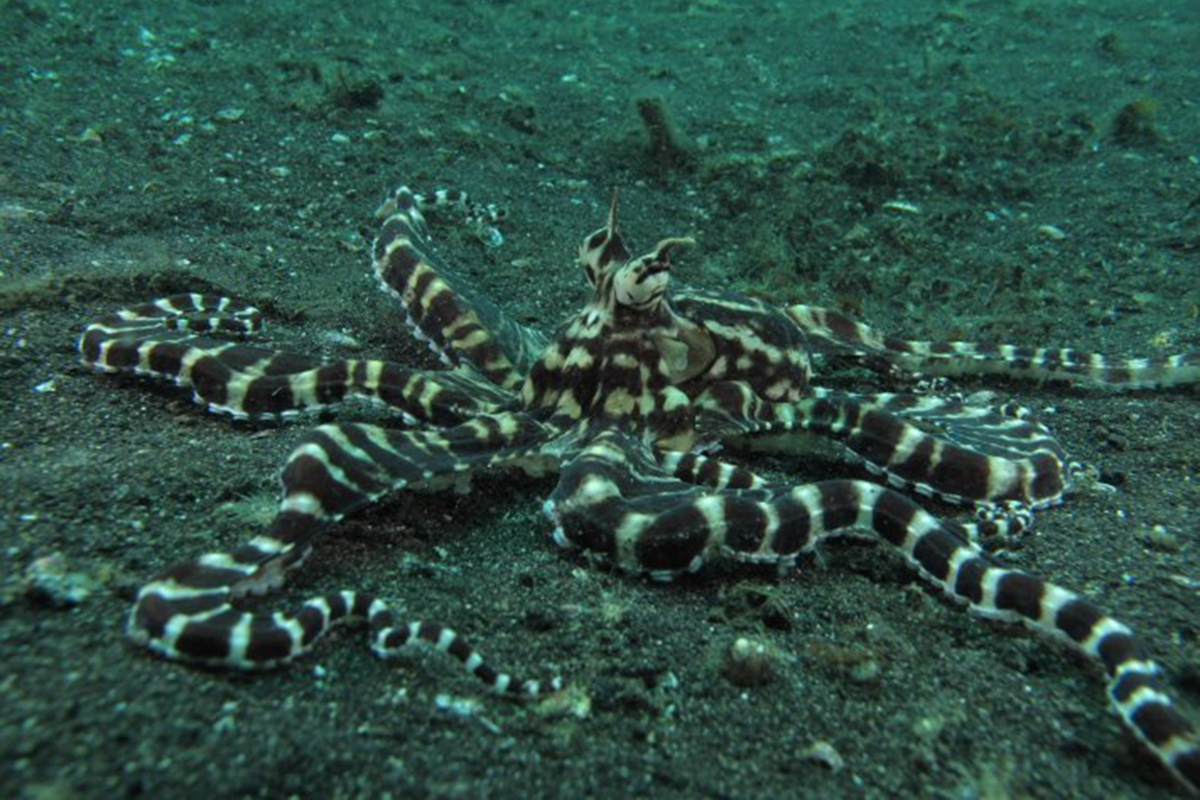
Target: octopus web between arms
x: 624, y: 403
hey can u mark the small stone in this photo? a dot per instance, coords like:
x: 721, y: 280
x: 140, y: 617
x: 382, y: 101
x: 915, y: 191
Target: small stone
x: 866, y: 671
x: 340, y: 339
x: 1052, y: 232
x: 749, y: 664
x: 928, y: 728
x: 858, y: 236
x: 50, y: 580
x: 457, y: 706
x: 1158, y: 537
x: 824, y: 753
x: 573, y: 701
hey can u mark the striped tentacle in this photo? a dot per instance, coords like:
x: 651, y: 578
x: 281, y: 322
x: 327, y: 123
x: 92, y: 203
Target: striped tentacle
x: 602, y: 505
x: 613, y: 499
x: 946, y: 559
x: 161, y: 340
x: 105, y: 344
x: 189, y: 612
x: 842, y: 336
x: 217, y: 634
x: 702, y: 470
x: 459, y: 323
x: 391, y: 637
x: 481, y: 218
x: 1004, y: 435
x: 956, y: 453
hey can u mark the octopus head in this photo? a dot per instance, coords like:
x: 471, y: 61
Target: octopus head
x: 636, y: 284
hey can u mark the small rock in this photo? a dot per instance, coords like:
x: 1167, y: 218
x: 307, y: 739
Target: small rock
x: 1158, y: 537
x: 866, y: 671
x: 749, y: 664
x: 50, y: 581
x: 824, y: 753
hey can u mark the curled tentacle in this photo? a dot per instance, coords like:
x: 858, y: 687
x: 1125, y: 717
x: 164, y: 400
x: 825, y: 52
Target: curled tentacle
x: 460, y: 324
x: 614, y: 500
x: 937, y: 448
x: 191, y: 611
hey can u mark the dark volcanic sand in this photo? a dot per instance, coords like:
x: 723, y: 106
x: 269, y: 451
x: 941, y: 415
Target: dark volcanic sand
x: 154, y: 148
